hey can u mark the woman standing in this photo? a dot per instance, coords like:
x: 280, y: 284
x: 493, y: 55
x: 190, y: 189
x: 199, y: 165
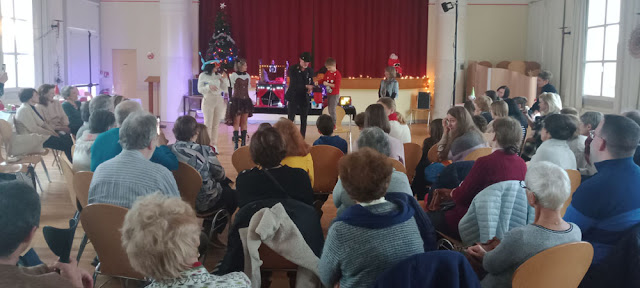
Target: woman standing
x: 211, y: 84
x: 240, y: 105
x: 389, y: 85
x: 71, y: 107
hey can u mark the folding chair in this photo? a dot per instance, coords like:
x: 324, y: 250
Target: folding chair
x: 241, y: 159
x: 412, y: 156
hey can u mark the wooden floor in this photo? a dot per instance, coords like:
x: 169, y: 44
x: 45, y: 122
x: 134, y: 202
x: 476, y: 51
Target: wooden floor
x: 57, y: 208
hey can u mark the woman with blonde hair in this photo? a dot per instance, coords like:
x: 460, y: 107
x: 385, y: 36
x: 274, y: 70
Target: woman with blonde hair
x: 549, y: 103
x: 399, y: 128
x: 298, y: 155
x: 483, y: 104
x: 161, y: 236
x: 461, y: 136
x: 389, y: 85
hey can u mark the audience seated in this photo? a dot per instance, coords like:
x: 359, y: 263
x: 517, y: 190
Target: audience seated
x: 130, y: 174
x: 419, y: 184
x: 107, y: 145
x: 375, y: 139
x: 544, y: 86
x: 549, y: 103
x: 359, y: 120
x: 386, y: 227
x: 374, y: 116
x: 521, y: 103
x: 480, y: 122
x: 492, y: 95
x: 325, y: 127
x: 100, y: 102
x: 503, y: 92
x: 399, y: 128
x: 298, y: 155
x: 516, y: 113
x: 577, y: 144
x: 215, y: 193
x: 635, y: 116
x: 71, y: 107
x: 461, y: 136
x: 271, y: 179
x: 483, y: 104
x: 606, y: 205
x: 471, y: 108
x: 548, y: 187
x: 499, y: 109
x: 51, y: 109
x: 589, y: 121
x: 29, y: 119
x: 19, y: 221
x: 161, y: 237
x: 502, y: 165
x: 556, y: 130
x: 99, y: 122
x: 263, y: 187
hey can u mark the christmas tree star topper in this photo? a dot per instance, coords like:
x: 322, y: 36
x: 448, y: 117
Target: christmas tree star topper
x: 222, y: 5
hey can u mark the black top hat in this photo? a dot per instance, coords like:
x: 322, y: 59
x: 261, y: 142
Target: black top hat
x: 305, y: 56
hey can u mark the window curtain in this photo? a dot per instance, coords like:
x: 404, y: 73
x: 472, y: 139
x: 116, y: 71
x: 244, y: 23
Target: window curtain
x: 574, y: 53
x: 628, y: 68
x: 359, y: 34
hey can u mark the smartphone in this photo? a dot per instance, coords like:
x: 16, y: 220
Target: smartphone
x: 158, y: 125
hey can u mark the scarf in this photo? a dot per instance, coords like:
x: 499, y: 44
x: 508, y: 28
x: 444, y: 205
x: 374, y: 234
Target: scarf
x: 359, y: 216
x: 393, y: 117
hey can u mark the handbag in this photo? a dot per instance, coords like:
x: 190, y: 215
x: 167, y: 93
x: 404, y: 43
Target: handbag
x: 441, y: 200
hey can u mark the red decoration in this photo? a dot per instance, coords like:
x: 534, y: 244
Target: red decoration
x: 395, y: 62
x: 150, y: 55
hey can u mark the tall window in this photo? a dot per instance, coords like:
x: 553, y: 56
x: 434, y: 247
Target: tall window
x: 17, y: 42
x: 603, y: 26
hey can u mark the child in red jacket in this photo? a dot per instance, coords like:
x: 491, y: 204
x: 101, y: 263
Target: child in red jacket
x: 331, y: 81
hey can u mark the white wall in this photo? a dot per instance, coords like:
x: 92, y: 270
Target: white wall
x: 136, y: 25
x: 50, y: 43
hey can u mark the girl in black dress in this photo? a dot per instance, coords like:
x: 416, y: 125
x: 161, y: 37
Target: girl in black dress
x: 240, y: 105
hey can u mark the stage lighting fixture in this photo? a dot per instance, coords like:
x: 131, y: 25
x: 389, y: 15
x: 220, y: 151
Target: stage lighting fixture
x: 446, y: 6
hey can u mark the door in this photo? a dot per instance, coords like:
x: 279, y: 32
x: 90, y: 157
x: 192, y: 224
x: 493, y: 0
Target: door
x: 125, y: 72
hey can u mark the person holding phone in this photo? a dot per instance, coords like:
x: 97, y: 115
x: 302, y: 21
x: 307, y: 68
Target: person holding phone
x: 300, y: 87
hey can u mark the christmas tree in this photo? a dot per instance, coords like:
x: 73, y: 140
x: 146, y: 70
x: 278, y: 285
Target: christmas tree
x: 221, y: 46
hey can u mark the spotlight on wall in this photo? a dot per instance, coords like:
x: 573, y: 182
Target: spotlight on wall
x: 446, y: 6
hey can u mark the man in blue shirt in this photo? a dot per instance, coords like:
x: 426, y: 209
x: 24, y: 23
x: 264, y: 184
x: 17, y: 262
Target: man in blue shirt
x: 608, y: 204
x: 107, y: 144
x: 325, y: 127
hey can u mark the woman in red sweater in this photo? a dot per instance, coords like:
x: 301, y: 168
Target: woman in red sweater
x: 502, y: 165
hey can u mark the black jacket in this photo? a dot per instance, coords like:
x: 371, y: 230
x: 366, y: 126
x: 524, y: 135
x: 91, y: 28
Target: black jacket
x: 304, y: 216
x: 299, y: 78
x: 620, y: 268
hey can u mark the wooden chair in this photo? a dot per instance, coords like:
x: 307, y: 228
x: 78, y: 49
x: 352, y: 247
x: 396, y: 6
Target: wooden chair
x: 432, y: 155
x: 562, y: 266
x: 340, y: 113
x: 271, y: 262
x: 398, y: 165
x: 503, y: 65
x: 480, y: 152
x: 69, y: 177
x: 325, y: 164
x: 73, y: 148
x: 576, y: 179
x: 241, y: 159
x: 82, y: 182
x: 6, y: 131
x: 485, y: 63
x: 412, y: 156
x: 102, y: 223
x: 189, y: 183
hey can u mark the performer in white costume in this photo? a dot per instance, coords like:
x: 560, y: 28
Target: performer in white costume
x: 211, y: 84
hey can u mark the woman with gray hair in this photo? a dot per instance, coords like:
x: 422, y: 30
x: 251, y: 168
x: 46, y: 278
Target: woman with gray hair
x: 375, y: 138
x: 71, y: 107
x: 161, y: 236
x: 547, y: 187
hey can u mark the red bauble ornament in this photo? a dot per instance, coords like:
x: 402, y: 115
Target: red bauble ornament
x: 150, y: 55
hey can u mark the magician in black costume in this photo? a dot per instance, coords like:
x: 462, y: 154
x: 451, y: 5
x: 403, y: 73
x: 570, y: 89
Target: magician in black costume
x: 300, y: 85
